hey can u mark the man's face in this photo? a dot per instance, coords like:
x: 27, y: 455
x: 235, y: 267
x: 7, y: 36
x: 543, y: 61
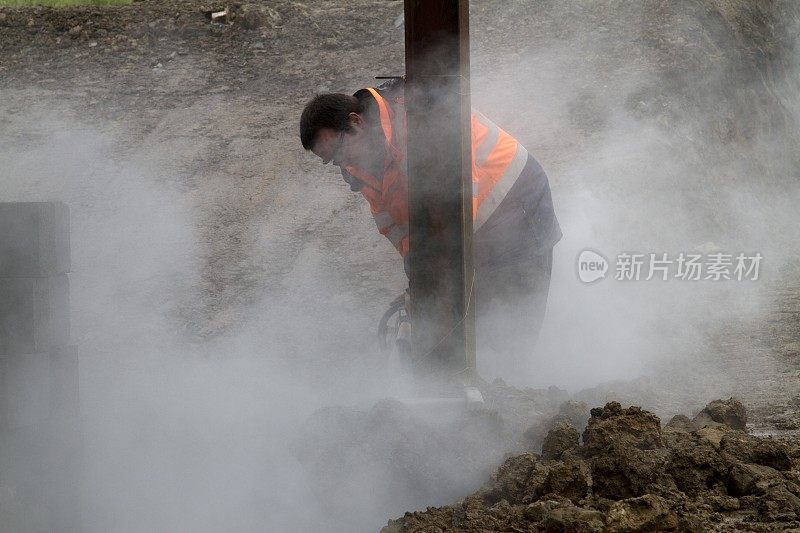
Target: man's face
x: 329, y: 146
x: 344, y: 149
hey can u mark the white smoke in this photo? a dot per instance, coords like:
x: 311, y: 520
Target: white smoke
x: 207, y: 334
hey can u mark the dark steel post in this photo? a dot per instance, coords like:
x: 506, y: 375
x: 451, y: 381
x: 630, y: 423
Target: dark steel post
x: 440, y: 183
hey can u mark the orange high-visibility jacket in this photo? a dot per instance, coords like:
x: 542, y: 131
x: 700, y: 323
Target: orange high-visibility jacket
x: 497, y: 161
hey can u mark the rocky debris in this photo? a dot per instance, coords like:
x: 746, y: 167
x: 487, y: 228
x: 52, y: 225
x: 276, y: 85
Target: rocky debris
x: 517, y: 480
x: 679, y: 423
x: 621, y: 471
x: 645, y: 513
x: 562, y: 438
x: 627, y: 427
x: 570, y: 478
x: 570, y: 412
x: 713, y: 435
x: 694, y: 464
x: 750, y: 449
x: 629, y: 475
x: 787, y: 421
x: 250, y: 16
x: 729, y: 412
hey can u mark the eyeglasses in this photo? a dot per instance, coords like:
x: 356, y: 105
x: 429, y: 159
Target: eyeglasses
x: 335, y: 153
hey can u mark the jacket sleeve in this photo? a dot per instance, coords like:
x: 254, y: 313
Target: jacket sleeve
x: 396, y: 233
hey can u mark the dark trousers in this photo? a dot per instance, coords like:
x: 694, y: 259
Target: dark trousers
x: 513, y: 254
x: 511, y: 301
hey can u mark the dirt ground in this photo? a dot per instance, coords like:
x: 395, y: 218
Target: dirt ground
x: 208, y: 112
x: 704, y: 474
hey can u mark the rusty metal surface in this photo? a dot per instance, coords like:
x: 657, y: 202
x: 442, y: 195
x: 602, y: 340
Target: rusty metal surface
x: 440, y: 184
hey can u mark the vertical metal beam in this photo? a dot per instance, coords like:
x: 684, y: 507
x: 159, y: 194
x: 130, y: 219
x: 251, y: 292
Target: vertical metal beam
x: 440, y: 183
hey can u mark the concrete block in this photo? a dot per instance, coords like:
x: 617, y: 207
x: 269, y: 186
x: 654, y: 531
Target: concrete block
x: 34, y: 314
x: 34, y: 239
x: 39, y: 390
x: 27, y: 382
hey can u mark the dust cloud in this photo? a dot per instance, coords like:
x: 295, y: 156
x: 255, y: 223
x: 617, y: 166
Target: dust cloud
x: 177, y: 435
x: 665, y: 156
x: 186, y: 431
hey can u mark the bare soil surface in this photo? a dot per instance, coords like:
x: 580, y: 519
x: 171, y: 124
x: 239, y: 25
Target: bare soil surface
x: 631, y: 475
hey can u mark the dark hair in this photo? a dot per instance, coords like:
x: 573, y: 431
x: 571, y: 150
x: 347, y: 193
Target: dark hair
x: 330, y: 110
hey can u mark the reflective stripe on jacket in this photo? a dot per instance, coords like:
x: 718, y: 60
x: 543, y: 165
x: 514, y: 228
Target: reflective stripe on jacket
x: 497, y: 161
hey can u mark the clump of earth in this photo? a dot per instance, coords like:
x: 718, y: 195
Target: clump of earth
x: 630, y: 473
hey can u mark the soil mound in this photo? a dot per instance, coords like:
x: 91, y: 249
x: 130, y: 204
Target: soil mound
x: 631, y: 475
x: 729, y: 412
x: 561, y: 439
x: 571, y: 413
x: 622, y: 427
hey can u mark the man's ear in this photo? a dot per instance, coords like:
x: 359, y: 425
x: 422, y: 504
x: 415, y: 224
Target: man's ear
x: 355, y: 118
